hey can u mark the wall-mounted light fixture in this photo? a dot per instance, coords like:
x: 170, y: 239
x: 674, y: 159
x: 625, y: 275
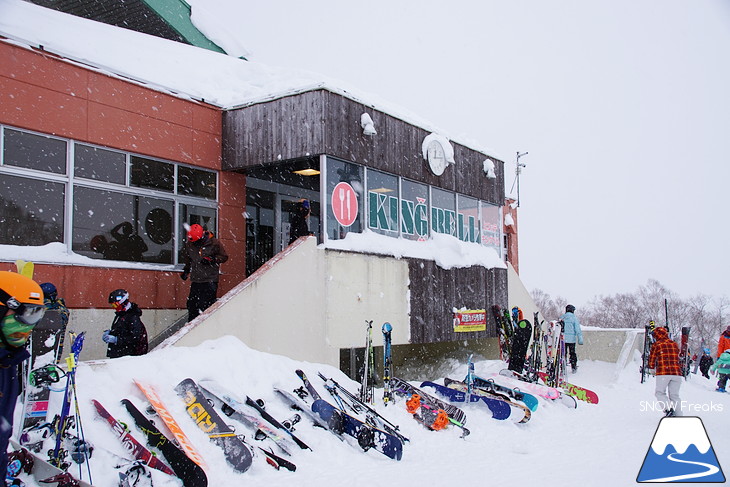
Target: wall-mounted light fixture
x: 368, y: 127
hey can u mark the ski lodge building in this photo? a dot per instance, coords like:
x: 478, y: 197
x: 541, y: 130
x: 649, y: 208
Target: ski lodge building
x: 94, y: 151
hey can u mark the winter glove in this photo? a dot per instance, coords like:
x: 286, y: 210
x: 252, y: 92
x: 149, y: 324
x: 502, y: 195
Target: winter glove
x: 107, y: 338
x: 580, y: 340
x: 208, y: 260
x: 184, y: 276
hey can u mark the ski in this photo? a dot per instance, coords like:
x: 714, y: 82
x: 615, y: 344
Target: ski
x: 504, y: 331
x: 510, y: 379
x: 368, y: 372
x: 238, y: 453
x: 500, y: 410
x: 235, y: 408
x: 42, y: 470
x: 387, y: 363
x: 456, y: 416
x: 187, y: 470
x: 341, y: 422
x: 297, y: 403
x: 163, y: 413
x: 684, y: 353
x: 134, y: 447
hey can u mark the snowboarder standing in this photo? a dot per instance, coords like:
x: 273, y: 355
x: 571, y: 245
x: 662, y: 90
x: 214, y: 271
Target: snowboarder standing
x: 299, y: 221
x: 520, y: 340
x: 127, y: 335
x: 21, y: 307
x: 705, y: 363
x: 203, y: 255
x: 722, y: 367
x: 572, y: 334
x: 664, y: 358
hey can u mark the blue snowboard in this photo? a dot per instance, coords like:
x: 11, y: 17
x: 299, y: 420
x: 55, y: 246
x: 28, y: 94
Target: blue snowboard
x: 491, y: 385
x: 500, y: 409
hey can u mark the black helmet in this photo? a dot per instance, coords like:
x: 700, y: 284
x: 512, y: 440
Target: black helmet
x: 120, y: 296
x: 570, y: 309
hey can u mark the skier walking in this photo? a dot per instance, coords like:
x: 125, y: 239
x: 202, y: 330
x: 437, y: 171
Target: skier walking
x: 722, y: 367
x: 127, y: 335
x: 724, y: 342
x: 572, y: 334
x: 21, y: 307
x: 705, y: 363
x: 203, y: 255
x: 664, y: 358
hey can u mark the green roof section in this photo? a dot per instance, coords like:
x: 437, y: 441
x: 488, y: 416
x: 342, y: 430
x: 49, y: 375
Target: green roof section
x: 176, y: 13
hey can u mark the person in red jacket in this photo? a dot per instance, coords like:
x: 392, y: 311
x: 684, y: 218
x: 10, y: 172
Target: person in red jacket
x: 724, y: 342
x: 664, y: 358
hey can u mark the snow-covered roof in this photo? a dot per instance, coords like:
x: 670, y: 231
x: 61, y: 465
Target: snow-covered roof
x: 183, y: 70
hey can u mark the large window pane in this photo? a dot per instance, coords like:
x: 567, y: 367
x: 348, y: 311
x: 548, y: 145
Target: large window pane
x: 99, y: 164
x: 344, y: 198
x: 491, y: 226
x: 468, y: 219
x: 31, y: 211
x: 194, y: 182
x: 119, y: 226
x: 443, y: 211
x: 192, y: 214
x: 414, y: 210
x: 382, y: 203
x: 32, y: 151
x: 148, y: 173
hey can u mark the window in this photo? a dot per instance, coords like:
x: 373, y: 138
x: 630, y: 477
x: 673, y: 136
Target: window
x: 491, y: 227
x: 414, y: 210
x: 123, y: 207
x: 31, y: 211
x: 31, y: 151
x: 467, y: 222
x: 443, y: 211
x: 99, y: 164
x: 383, y: 202
x: 344, y: 197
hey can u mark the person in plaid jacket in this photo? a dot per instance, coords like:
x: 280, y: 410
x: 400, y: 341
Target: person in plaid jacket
x: 664, y: 358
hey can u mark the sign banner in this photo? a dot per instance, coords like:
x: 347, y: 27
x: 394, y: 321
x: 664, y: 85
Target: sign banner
x: 470, y: 320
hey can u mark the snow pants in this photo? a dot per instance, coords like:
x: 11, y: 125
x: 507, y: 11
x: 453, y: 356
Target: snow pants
x: 667, y: 391
x: 723, y: 380
x: 202, y: 296
x: 572, y: 356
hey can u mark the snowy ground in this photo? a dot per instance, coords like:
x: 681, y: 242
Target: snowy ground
x: 593, y: 445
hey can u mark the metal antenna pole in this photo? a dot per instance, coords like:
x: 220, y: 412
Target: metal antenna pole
x: 518, y: 171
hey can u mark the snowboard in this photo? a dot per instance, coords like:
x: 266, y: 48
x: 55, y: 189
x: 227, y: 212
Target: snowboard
x: 340, y: 422
x: 189, y: 472
x: 134, y: 447
x: 520, y: 343
x: 43, y: 470
x: 43, y: 346
x: 163, y: 413
x: 298, y: 404
x: 500, y: 410
x: 431, y: 404
x: 490, y: 385
x: 577, y: 392
x: 510, y: 379
x: 235, y: 408
x: 519, y: 413
x: 237, y: 452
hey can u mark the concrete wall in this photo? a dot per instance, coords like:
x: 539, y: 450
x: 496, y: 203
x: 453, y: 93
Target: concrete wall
x: 519, y: 295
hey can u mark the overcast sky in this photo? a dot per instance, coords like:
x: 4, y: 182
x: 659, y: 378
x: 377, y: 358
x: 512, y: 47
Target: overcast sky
x: 623, y: 106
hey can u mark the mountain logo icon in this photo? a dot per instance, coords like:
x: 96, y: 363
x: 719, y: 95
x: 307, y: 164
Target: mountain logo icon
x: 681, y: 452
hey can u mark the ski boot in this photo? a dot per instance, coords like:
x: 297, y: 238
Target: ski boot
x: 720, y: 389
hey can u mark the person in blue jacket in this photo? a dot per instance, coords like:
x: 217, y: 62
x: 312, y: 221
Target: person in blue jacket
x: 572, y: 334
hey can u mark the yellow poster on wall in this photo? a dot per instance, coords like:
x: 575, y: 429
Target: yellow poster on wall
x: 470, y: 320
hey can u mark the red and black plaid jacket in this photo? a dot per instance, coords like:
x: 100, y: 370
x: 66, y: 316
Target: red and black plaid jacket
x: 664, y: 355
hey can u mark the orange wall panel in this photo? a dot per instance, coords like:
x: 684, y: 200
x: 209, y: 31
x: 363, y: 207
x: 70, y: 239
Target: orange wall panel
x: 43, y: 70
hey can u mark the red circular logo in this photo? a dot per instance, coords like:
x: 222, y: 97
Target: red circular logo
x: 344, y: 204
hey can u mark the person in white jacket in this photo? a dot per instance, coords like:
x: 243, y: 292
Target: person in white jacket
x: 572, y: 334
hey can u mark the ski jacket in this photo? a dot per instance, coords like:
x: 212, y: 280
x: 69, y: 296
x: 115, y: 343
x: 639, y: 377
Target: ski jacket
x: 722, y: 366
x: 724, y: 343
x: 572, y: 332
x: 203, y: 258
x: 664, y: 355
x: 705, y: 363
x: 9, y: 389
x: 130, y: 332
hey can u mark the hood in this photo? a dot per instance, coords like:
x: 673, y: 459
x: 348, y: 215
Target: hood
x: 661, y: 333
x: 725, y: 356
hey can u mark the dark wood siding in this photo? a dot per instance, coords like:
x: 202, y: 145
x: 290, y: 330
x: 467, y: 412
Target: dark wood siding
x: 324, y: 122
x: 435, y: 292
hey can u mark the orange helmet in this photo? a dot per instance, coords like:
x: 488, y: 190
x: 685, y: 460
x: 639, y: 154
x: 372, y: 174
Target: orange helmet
x: 22, y: 295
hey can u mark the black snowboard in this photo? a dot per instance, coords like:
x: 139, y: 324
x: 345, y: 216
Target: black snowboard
x: 520, y: 343
x: 189, y: 472
x: 238, y: 454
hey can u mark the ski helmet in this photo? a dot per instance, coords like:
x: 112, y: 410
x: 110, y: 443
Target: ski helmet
x: 195, y: 233
x: 49, y: 291
x: 706, y: 350
x: 570, y: 309
x: 118, y: 298
x: 23, y: 296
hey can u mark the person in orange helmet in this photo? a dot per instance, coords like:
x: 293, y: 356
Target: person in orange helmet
x: 203, y: 254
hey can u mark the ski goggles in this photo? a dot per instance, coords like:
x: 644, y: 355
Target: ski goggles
x: 28, y: 314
